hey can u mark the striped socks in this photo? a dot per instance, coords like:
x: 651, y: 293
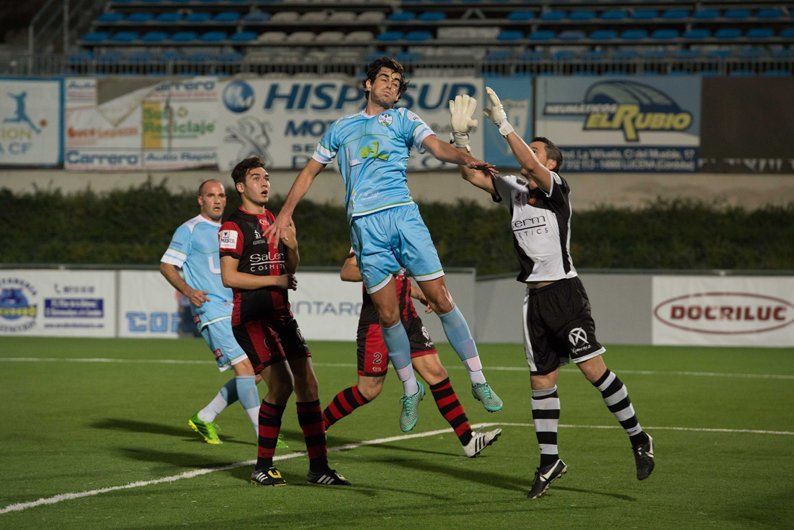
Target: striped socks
x: 616, y: 398
x: 269, y: 427
x: 546, y: 415
x: 344, y: 403
x: 449, y: 407
x: 310, y: 419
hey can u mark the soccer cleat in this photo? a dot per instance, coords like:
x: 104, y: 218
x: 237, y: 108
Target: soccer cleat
x: 280, y: 443
x: 643, y: 458
x: 207, y: 429
x: 545, y: 476
x: 327, y: 477
x: 268, y: 477
x: 483, y: 393
x: 479, y: 441
x: 410, y: 412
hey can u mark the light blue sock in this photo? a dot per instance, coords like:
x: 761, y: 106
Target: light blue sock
x: 400, y: 354
x: 249, y: 397
x: 459, y: 336
x: 225, y: 396
x: 229, y: 391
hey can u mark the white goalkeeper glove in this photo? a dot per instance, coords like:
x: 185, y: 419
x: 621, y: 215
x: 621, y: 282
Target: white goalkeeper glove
x: 461, y: 111
x: 497, y: 113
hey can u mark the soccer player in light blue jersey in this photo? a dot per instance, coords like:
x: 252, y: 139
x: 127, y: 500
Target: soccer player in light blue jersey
x: 194, y: 251
x: 371, y: 149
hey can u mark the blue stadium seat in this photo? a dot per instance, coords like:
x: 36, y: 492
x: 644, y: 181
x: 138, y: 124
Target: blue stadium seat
x: 153, y: 37
x: 110, y: 57
x: 169, y: 56
x: 594, y: 55
x: 552, y: 16
x: 184, y: 36
x: 244, y: 36
x: 603, y: 34
x: 708, y: 13
x: 532, y: 56
x: 408, y: 57
x: 95, y: 37
x: 571, y: 35
x: 654, y: 54
x: 625, y: 55
x: 213, y: 36
x: 676, y: 14
x: 722, y: 53
x: 124, y: 36
x: 199, y: 57
x: 685, y: 54
x: 418, y: 36
x: 752, y: 52
x: 769, y: 12
x: 760, y: 33
x: 390, y: 36
x: 510, y: 35
x: 168, y: 17
x: 198, y: 17
x: 644, y: 14
x: 110, y: 17
x: 614, y: 14
x: 728, y: 33
x: 82, y: 56
x: 498, y: 55
x: 542, y: 35
x: 564, y: 55
x: 634, y: 34
x: 787, y: 33
x: 141, y: 17
x: 402, y: 16
x: 140, y: 56
x: 231, y: 57
x: 739, y: 13
x: 256, y: 16
x: 432, y: 16
x: 582, y: 14
x: 697, y: 34
x: 664, y: 34
x: 521, y: 16
x: 227, y: 17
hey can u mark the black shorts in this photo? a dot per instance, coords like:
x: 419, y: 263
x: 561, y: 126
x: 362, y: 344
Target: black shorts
x: 558, y: 326
x: 269, y: 341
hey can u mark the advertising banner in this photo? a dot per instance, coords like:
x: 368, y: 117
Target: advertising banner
x: 57, y: 303
x: 140, y: 125
x: 150, y: 307
x: 623, y: 124
x: 282, y: 120
x: 31, y: 111
x: 723, y: 311
x: 516, y: 96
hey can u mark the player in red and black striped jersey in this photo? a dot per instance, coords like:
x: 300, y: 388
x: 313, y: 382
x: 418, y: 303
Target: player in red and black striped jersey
x: 373, y: 360
x: 260, y: 274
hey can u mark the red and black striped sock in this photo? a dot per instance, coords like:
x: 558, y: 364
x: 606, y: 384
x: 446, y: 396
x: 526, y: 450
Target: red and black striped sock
x: 269, y: 426
x: 343, y: 404
x: 449, y: 407
x: 310, y: 418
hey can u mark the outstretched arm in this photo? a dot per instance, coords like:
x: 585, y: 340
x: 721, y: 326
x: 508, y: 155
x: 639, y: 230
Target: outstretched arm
x: 461, y: 117
x: 299, y: 188
x: 447, y: 153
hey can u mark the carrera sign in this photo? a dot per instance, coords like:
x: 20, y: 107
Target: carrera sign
x: 723, y: 311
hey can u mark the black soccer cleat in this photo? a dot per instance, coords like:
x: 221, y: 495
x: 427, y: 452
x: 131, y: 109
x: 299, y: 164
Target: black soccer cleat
x: 643, y: 458
x: 268, y: 477
x: 544, y: 476
x: 327, y: 477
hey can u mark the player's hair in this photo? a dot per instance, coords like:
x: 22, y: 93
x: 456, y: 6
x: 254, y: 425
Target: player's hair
x: 201, y: 186
x: 243, y: 167
x: 389, y: 62
x: 552, y: 151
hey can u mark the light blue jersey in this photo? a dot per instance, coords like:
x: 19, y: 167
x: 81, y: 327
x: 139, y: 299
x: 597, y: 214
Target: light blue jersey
x: 372, y: 155
x: 194, y: 248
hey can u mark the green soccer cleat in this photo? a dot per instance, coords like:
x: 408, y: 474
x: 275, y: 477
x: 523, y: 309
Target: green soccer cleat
x: 483, y: 393
x: 410, y: 412
x: 207, y: 429
x: 280, y: 443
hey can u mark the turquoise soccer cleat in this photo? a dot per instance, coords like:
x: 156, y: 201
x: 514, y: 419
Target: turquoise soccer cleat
x: 410, y: 412
x: 483, y: 393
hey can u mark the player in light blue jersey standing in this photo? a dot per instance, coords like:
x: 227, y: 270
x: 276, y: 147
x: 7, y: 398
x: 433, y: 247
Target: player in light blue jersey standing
x: 194, y: 251
x: 371, y: 149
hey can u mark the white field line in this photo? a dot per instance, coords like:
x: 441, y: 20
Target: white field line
x: 21, y: 506
x: 107, y: 360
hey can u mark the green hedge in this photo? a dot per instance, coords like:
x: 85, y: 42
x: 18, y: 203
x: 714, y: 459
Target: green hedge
x: 134, y: 227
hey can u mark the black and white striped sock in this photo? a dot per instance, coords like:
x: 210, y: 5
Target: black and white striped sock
x: 616, y: 398
x: 546, y: 415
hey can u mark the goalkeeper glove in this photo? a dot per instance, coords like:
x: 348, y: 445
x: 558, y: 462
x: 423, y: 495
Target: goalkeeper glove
x: 460, y: 117
x: 497, y: 113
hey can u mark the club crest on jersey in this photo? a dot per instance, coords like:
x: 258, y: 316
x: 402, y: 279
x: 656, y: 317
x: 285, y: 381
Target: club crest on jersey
x: 228, y: 239
x: 385, y: 119
x: 577, y: 336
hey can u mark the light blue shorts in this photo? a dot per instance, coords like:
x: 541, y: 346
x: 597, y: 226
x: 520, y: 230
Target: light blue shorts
x: 220, y: 339
x: 390, y: 240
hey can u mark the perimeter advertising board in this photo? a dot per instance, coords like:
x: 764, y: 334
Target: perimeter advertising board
x: 624, y: 124
x: 31, y: 111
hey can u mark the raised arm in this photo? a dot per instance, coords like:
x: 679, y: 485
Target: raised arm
x: 447, y: 153
x: 522, y: 152
x: 461, y: 111
x: 299, y: 188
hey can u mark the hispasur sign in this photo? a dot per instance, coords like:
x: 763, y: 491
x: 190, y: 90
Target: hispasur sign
x: 707, y: 310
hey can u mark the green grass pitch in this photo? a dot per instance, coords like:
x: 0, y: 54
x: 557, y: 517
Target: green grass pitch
x: 721, y: 418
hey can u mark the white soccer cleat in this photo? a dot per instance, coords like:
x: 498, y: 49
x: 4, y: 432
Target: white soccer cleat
x: 479, y: 441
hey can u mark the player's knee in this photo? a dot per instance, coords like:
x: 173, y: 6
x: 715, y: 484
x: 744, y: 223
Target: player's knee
x: 434, y: 373
x: 389, y: 318
x: 280, y: 390
x: 593, y: 368
x: 370, y: 389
